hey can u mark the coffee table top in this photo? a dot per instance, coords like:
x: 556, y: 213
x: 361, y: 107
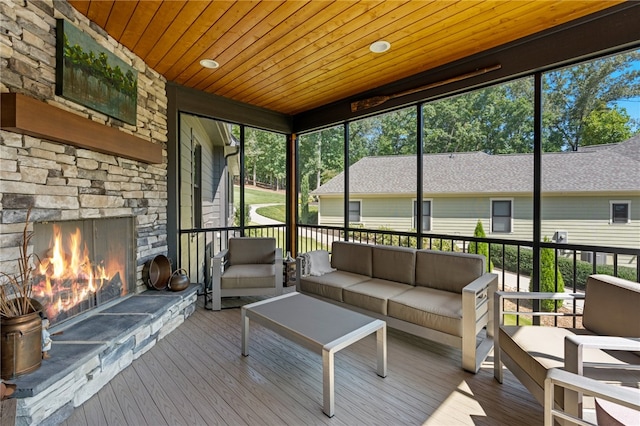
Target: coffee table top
x: 319, y: 321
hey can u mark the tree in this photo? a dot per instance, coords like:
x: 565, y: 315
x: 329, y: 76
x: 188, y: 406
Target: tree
x: 481, y: 248
x: 495, y: 120
x: 606, y: 125
x: 572, y: 94
x: 548, y: 277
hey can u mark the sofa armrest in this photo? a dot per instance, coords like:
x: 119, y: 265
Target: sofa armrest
x: 477, y: 299
x: 477, y: 312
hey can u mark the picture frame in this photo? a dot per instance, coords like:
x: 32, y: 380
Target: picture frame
x: 92, y: 76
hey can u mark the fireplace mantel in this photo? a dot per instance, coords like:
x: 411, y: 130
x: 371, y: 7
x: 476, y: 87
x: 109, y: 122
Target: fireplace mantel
x: 25, y: 115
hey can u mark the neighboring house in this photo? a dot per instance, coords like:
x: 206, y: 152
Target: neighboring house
x: 591, y: 196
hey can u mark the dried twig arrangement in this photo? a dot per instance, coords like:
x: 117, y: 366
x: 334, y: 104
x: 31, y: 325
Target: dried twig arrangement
x: 15, y: 293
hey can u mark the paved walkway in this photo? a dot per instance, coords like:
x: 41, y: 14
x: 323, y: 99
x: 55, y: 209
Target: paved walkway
x: 262, y: 220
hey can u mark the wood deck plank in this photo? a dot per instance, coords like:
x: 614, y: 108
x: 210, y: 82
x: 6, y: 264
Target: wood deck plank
x: 196, y: 375
x: 269, y: 390
x: 113, y: 414
x: 294, y: 357
x: 127, y: 401
x: 237, y: 380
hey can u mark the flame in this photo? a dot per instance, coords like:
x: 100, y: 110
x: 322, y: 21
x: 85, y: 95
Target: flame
x: 67, y: 275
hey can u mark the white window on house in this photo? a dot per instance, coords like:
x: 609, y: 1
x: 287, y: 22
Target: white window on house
x: 426, y: 215
x: 620, y: 211
x: 354, y: 211
x: 501, y: 216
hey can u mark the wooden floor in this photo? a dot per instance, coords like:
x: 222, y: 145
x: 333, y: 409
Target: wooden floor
x: 196, y: 376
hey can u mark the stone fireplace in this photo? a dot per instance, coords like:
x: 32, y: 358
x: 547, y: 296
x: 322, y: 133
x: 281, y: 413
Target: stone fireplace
x: 83, y: 264
x: 78, y: 169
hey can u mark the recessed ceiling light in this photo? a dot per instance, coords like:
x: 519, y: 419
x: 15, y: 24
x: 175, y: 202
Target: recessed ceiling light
x: 380, y: 46
x: 209, y: 63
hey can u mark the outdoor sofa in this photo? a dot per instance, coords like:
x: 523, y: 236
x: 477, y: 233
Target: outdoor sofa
x: 441, y: 296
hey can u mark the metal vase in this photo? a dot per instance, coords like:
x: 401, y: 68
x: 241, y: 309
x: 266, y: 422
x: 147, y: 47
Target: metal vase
x: 21, y: 345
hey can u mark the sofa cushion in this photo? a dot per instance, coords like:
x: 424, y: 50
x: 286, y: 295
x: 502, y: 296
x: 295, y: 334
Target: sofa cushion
x: 245, y: 250
x: 248, y: 276
x: 435, y: 309
x: 447, y: 270
x: 394, y: 264
x: 330, y: 285
x: 351, y: 257
x: 537, y: 348
x: 612, y: 306
x: 373, y: 294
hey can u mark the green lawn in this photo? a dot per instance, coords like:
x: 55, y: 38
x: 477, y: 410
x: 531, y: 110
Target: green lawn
x: 278, y: 212
x: 258, y: 196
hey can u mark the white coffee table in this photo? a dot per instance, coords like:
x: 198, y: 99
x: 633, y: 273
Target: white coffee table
x: 319, y: 326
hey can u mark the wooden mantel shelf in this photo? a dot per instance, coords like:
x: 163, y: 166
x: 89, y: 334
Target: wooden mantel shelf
x: 25, y: 115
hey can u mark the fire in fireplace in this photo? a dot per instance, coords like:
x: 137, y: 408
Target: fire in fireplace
x: 83, y: 264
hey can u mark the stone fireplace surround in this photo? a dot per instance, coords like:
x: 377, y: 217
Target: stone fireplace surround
x: 94, y: 348
x: 61, y: 181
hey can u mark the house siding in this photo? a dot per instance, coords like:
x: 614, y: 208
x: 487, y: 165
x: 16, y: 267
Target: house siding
x: 585, y: 218
x: 212, y: 188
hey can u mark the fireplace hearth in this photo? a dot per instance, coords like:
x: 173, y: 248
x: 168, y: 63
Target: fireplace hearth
x: 83, y: 264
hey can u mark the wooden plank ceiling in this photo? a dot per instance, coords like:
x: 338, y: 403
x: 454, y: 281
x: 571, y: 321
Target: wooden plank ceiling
x: 292, y: 56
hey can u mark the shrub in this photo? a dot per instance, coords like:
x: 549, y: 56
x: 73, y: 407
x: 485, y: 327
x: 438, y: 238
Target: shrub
x: 247, y: 215
x: 548, y: 274
x: 481, y: 248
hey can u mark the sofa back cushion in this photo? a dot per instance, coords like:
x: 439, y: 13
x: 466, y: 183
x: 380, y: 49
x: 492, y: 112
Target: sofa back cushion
x: 447, y: 270
x: 351, y: 257
x: 612, y: 306
x: 394, y: 264
x: 246, y: 250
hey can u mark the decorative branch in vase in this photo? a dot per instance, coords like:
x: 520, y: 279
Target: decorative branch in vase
x: 16, y: 291
x: 20, y: 316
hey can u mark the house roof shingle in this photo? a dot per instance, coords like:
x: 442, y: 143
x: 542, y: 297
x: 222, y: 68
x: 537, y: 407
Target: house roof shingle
x: 603, y: 168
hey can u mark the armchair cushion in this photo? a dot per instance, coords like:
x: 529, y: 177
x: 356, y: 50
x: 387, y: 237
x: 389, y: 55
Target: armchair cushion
x: 612, y: 307
x: 247, y: 250
x: 536, y: 349
x: 248, y: 276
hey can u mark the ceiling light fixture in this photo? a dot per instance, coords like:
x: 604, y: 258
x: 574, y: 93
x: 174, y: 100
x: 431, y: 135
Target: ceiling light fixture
x: 380, y: 46
x: 209, y: 63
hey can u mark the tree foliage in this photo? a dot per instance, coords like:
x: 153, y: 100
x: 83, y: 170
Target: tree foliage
x: 573, y: 94
x: 265, y: 158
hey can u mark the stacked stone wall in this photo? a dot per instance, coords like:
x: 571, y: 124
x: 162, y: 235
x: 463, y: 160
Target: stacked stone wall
x: 63, y: 182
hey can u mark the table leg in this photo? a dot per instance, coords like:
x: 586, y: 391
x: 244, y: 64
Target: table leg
x: 381, y: 338
x: 245, y: 333
x: 328, y: 405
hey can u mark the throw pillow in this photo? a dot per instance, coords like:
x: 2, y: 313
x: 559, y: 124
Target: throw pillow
x: 320, y: 263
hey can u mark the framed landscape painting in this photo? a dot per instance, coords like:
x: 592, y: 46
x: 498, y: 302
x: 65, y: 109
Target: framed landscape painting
x: 90, y: 75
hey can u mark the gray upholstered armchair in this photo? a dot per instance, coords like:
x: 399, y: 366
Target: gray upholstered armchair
x: 249, y: 267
